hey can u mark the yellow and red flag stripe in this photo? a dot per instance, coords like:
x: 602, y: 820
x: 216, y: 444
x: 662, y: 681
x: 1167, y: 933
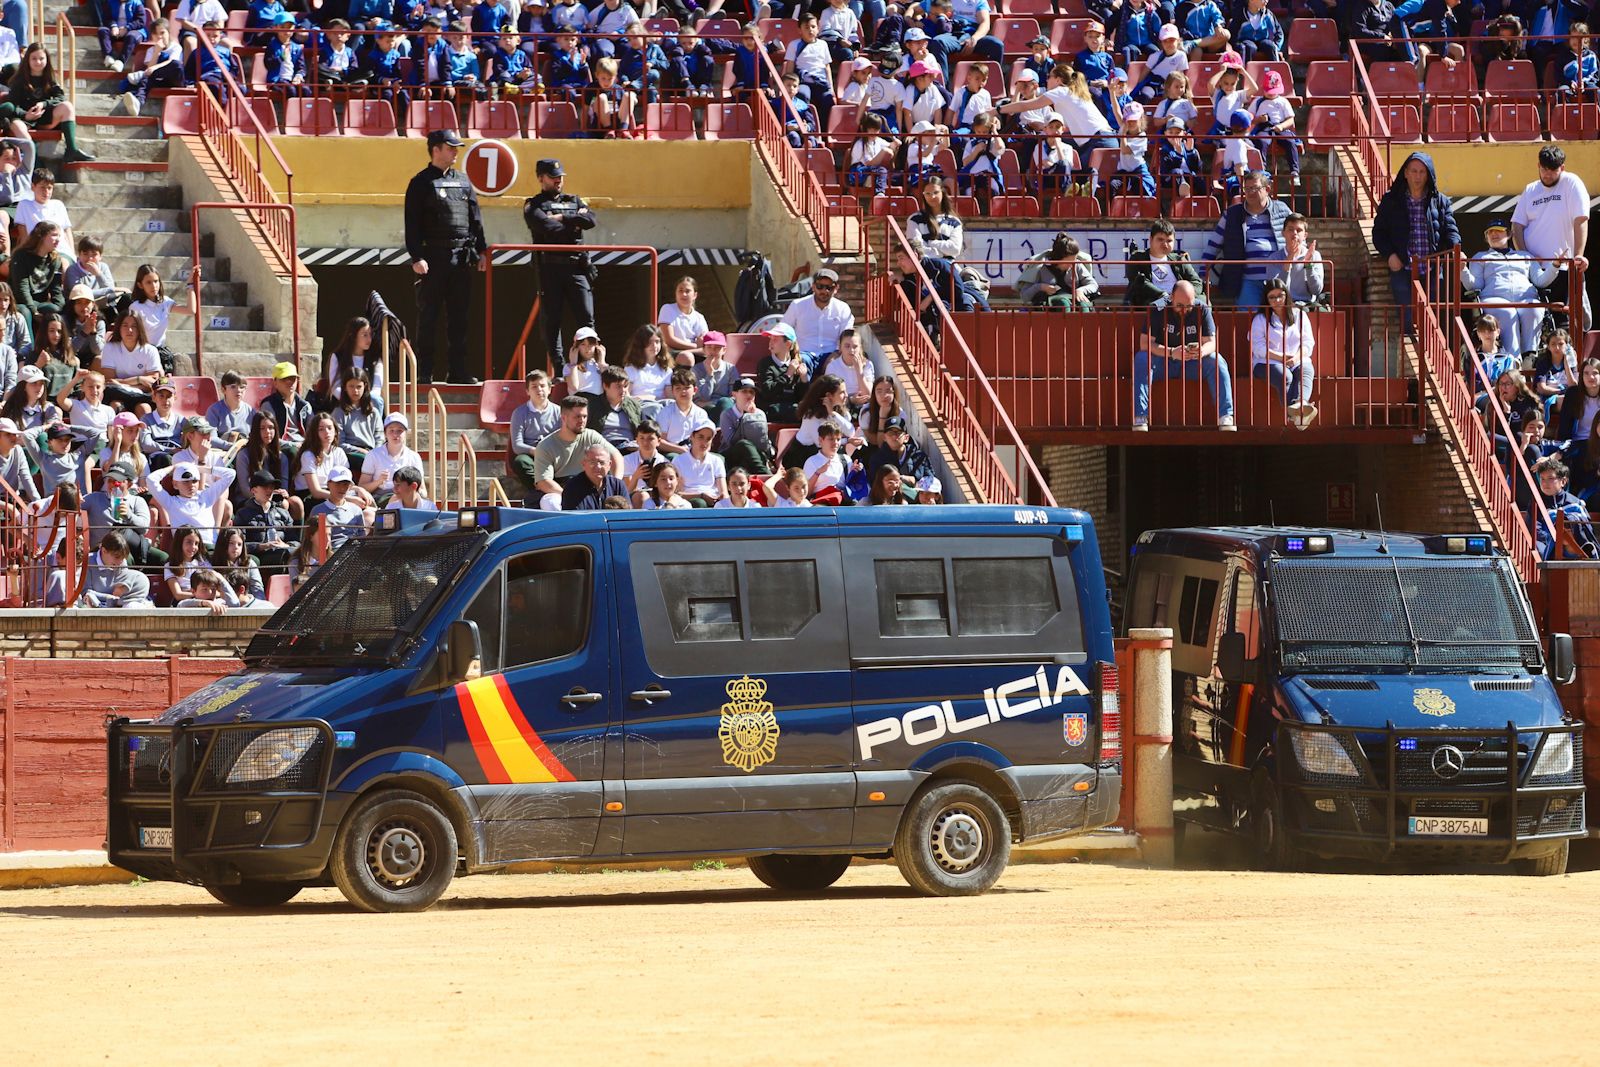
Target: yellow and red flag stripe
x: 509, y: 749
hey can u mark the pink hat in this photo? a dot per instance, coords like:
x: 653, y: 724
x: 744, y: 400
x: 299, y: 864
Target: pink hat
x: 125, y: 418
x: 919, y: 68
x: 1272, y: 83
x: 1230, y: 58
x: 714, y: 337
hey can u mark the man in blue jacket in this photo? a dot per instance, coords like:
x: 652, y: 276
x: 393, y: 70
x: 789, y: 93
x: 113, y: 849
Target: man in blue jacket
x: 1413, y: 221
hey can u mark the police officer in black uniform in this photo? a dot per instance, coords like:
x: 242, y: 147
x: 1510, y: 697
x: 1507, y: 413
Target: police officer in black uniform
x: 558, y: 218
x: 444, y: 237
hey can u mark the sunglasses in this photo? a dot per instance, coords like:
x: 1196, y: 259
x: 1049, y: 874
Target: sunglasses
x: 825, y: 285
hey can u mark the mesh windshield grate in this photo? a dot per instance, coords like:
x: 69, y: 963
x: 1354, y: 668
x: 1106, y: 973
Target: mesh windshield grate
x: 371, y: 587
x: 1465, y: 615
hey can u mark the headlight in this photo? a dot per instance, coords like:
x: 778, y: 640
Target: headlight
x: 1555, y: 757
x: 1322, y: 754
x: 273, y: 754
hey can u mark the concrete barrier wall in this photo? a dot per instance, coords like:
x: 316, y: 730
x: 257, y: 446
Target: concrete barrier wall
x: 52, y: 738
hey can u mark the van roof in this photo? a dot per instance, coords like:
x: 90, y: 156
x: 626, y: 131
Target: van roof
x: 952, y: 516
x: 1346, y: 543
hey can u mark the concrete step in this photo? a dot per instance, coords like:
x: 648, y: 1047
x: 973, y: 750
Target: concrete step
x: 238, y: 316
x: 108, y: 176
x: 180, y: 337
x: 116, y: 218
x: 123, y: 131
x: 126, y: 149
x: 123, y: 244
x: 142, y: 194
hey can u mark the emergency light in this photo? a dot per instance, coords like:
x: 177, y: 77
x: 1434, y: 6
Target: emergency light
x: 1459, y: 544
x: 1307, y: 545
x: 475, y: 519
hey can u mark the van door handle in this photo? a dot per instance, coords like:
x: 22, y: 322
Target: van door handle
x: 650, y: 694
x: 578, y: 697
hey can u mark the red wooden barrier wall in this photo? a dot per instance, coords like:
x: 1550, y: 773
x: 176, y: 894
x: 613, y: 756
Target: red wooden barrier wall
x: 52, y: 738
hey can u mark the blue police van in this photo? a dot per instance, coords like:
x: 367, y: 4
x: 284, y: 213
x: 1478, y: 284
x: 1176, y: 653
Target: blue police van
x: 1361, y: 694
x: 463, y: 691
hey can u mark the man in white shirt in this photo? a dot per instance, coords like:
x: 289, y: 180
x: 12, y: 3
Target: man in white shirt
x: 818, y: 322
x: 1552, y: 222
x: 705, y: 476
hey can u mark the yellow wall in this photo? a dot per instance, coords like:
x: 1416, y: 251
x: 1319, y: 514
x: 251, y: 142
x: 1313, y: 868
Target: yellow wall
x: 1495, y: 169
x: 617, y: 174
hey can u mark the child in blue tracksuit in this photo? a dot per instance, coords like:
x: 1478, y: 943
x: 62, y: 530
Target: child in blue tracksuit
x: 1205, y: 29
x: 511, y: 72
x: 201, y: 67
x: 1117, y: 97
x: 1039, y: 60
x: 263, y: 21
x: 1135, y: 27
x: 1096, y: 65
x: 1177, y: 160
x: 799, y: 124
x: 641, y: 64
x: 463, y: 73
x: 749, y: 72
x: 1580, y: 77
x: 569, y: 74
x: 489, y: 20
x: 380, y: 67
x: 698, y: 67
x: 122, y: 32
x: 163, y: 68
x: 285, y: 60
x: 1257, y: 34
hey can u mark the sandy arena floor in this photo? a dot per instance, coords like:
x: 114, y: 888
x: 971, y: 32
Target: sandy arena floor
x: 1060, y: 963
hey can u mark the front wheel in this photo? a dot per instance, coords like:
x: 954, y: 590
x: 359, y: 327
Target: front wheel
x: 1266, y: 821
x: 799, y: 874
x: 1547, y: 865
x: 395, y: 852
x: 254, y: 893
x: 954, y: 840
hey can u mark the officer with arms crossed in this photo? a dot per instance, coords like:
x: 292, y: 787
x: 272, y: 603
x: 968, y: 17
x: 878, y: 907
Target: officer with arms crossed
x: 444, y: 237
x: 558, y: 218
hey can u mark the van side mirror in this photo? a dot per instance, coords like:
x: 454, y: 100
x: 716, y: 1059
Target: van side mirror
x: 465, y: 653
x: 1562, y: 666
x: 1231, y: 660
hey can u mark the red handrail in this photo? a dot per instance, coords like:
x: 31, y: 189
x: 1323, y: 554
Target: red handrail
x: 801, y: 187
x: 519, y: 356
x: 237, y: 94
x: 946, y: 381
x: 294, y: 278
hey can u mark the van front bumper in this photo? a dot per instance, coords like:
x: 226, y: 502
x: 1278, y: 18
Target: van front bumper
x: 1453, y: 796
x: 179, y: 809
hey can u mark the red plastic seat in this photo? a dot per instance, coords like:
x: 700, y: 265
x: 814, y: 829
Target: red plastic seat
x: 499, y: 399
x: 1405, y: 122
x: 1313, y: 39
x: 1029, y: 7
x: 966, y: 206
x: 1517, y: 121
x: 672, y: 122
x: 1513, y: 79
x: 1066, y: 35
x: 1197, y: 207
x: 279, y: 588
x: 195, y: 394
x: 745, y: 351
x: 1451, y: 85
x: 722, y: 29
x: 661, y: 24
x: 1457, y: 122
x: 898, y: 206
x: 1075, y: 207
x: 258, y: 73
x: 425, y: 116
x: 1330, y: 124
x: 1571, y: 122
x: 1325, y: 78
x: 239, y: 111
x: 369, y: 118
x: 309, y: 115
x: 729, y: 122
x: 1393, y: 81
x: 1201, y: 72
x: 493, y: 118
x: 843, y: 126
x: 233, y: 29
x: 1014, y: 207
x: 820, y: 161
x: 1010, y: 169
x: 1261, y: 66
x: 1135, y: 207
x: 552, y: 119
x: 256, y: 389
x: 785, y: 30
x: 180, y: 115
x: 1015, y: 33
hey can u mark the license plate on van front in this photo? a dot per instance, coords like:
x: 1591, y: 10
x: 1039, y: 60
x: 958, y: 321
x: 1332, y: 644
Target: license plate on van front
x: 155, y: 837
x: 1444, y: 826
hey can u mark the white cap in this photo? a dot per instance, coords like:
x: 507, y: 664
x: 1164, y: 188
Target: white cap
x: 922, y: 127
x: 185, y: 472
x: 930, y: 484
x: 861, y: 63
x: 396, y: 418
x: 1026, y: 74
x: 1169, y: 30
x: 340, y: 474
x: 1054, y: 116
x: 7, y: 426
x: 30, y: 373
x: 585, y: 333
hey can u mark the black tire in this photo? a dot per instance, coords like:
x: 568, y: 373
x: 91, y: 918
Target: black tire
x: 395, y: 852
x: 1546, y: 866
x: 1267, y: 827
x: 799, y: 874
x: 254, y: 893
x: 954, y: 840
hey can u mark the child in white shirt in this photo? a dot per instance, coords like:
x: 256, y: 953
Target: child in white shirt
x: 871, y: 155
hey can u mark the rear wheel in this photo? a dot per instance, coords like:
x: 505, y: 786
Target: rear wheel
x: 1547, y: 865
x: 799, y: 874
x: 395, y: 852
x: 254, y: 893
x: 953, y: 840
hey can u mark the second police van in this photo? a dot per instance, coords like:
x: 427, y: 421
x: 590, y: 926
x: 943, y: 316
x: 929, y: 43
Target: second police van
x: 1360, y: 694
x: 459, y: 692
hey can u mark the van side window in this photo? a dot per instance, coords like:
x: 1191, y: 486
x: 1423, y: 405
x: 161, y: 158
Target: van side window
x: 702, y: 600
x: 1246, y: 613
x: 911, y: 598
x: 1004, y: 597
x: 1196, y: 608
x: 787, y: 598
x: 547, y: 603
x: 486, y: 611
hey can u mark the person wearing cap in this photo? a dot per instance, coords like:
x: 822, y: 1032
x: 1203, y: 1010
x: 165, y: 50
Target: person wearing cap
x: 59, y: 454
x: 408, y: 491
x: 381, y: 66
x: 899, y: 451
x: 162, y: 424
x: 923, y: 99
x: 1274, y: 123
x: 923, y: 146
x: 187, y: 503
x: 14, y: 466
x: 742, y: 438
x: 284, y: 57
x: 1503, y: 275
x: 340, y: 515
x: 714, y: 377
x: 784, y: 374
x: 377, y: 469
x: 1257, y: 33
x: 1167, y: 59
x: 117, y: 508
x: 818, y: 321
x: 531, y: 423
x: 561, y: 454
x: 584, y: 360
x: 270, y: 531
x: 1135, y: 29
x: 1178, y: 162
x: 557, y: 217
x: 445, y: 240
x: 88, y: 329
x: 930, y: 490
x: 1133, y: 177
x: 288, y: 408
x: 705, y: 473
x: 1096, y: 64
x: 591, y: 487
x: 870, y: 91
x: 121, y: 444
x: 29, y: 404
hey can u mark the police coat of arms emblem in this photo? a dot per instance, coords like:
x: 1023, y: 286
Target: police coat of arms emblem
x: 749, y: 729
x: 1433, y: 702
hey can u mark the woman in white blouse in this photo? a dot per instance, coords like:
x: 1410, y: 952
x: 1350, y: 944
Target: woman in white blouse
x: 1281, y: 345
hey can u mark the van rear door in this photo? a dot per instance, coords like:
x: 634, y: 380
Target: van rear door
x: 735, y: 685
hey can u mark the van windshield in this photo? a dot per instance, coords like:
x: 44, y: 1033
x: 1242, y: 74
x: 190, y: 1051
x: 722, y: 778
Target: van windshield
x: 1401, y: 613
x: 366, y: 601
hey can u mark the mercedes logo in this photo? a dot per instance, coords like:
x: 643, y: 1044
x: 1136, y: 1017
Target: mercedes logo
x: 1448, y: 761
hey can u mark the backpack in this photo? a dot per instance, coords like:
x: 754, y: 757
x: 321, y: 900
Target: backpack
x: 755, y: 295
